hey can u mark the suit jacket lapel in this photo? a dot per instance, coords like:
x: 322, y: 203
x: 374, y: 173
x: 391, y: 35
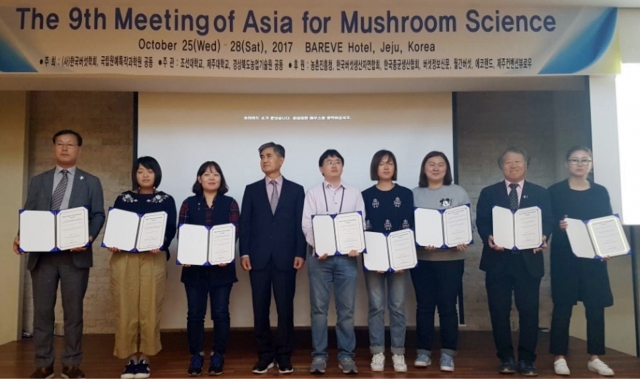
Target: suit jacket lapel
x: 524, y: 200
x: 78, y: 180
x: 503, y: 196
x: 284, y: 189
x: 47, y: 185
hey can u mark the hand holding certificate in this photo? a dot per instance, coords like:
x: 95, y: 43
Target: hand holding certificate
x: 443, y: 228
x: 199, y: 245
x: 597, y: 238
x: 42, y: 231
x: 129, y: 231
x: 394, y: 252
x: 338, y: 234
x: 517, y: 230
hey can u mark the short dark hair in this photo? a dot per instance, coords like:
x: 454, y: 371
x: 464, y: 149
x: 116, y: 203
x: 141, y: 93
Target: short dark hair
x: 277, y: 148
x: 579, y: 148
x: 330, y: 153
x: 197, y: 187
x: 513, y: 149
x: 67, y: 131
x: 148, y: 163
x: 375, y: 162
x: 424, y: 181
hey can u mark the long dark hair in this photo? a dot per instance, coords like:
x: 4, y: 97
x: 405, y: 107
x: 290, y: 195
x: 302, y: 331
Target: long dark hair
x: 197, y: 187
x: 424, y: 181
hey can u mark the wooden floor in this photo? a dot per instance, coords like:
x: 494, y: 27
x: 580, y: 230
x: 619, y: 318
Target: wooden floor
x: 476, y: 358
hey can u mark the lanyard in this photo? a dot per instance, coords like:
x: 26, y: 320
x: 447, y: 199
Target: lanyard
x: 326, y: 204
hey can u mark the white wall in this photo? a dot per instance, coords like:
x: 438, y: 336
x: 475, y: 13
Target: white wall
x: 182, y: 131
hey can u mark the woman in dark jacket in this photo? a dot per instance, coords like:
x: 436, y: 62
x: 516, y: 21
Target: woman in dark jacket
x: 209, y: 207
x: 576, y: 279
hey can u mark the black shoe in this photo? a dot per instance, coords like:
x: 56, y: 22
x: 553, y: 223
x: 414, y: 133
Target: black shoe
x: 216, y: 364
x: 263, y: 365
x: 527, y: 368
x: 195, y: 367
x: 507, y: 366
x: 43, y: 372
x: 284, y: 364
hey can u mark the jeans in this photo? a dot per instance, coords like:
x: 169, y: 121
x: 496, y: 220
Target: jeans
x: 197, y: 294
x: 393, y: 295
x: 437, y: 284
x: 341, y: 272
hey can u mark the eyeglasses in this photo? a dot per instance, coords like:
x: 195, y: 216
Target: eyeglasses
x: 579, y: 162
x: 66, y: 145
x: 333, y: 163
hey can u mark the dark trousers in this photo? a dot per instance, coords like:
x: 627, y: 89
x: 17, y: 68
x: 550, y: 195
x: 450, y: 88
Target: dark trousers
x: 514, y: 280
x: 283, y: 284
x: 197, y: 294
x: 51, y: 269
x: 559, y: 344
x: 437, y: 285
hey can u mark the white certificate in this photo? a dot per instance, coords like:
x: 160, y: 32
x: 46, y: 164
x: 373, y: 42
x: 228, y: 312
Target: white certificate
x: 37, y: 231
x: 443, y: 228
x: 201, y: 246
x: 349, y: 232
x: 517, y: 231
x: 397, y: 251
x: 402, y: 249
x: 128, y: 231
x: 151, y: 231
x: 121, y: 230
x: 72, y: 228
x: 597, y: 238
x: 338, y: 234
x: 193, y: 243
x: 222, y: 244
x: 324, y: 236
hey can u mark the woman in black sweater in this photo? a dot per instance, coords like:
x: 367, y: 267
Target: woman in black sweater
x: 576, y: 279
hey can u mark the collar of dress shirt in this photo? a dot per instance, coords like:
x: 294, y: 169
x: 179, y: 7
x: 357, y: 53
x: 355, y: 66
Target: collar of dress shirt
x: 72, y: 170
x: 278, y: 180
x: 520, y: 184
x: 329, y: 186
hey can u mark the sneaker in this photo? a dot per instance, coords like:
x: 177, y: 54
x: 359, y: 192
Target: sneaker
x: 377, y: 362
x: 318, y: 365
x: 129, y: 371
x: 216, y: 364
x: 195, y: 366
x: 527, y: 368
x: 600, y: 367
x: 143, y: 371
x: 446, y: 363
x: 399, y: 365
x: 560, y: 367
x: 262, y: 366
x: 72, y: 372
x: 348, y: 366
x: 422, y: 360
x: 284, y: 364
x: 43, y: 372
x: 507, y: 366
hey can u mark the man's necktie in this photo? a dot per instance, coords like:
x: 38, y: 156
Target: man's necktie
x: 274, y: 196
x: 58, y: 194
x: 513, y: 196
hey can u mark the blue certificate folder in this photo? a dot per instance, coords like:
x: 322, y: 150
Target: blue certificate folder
x: 337, y: 234
x: 51, y: 231
x: 389, y: 252
x: 201, y: 245
x: 517, y: 230
x: 134, y: 232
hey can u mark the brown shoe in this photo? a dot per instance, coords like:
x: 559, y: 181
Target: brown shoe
x: 71, y: 372
x: 43, y: 372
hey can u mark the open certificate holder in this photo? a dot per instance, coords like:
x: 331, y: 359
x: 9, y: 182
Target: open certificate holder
x: 519, y: 230
x: 338, y: 234
x: 597, y: 238
x: 42, y: 231
x: 201, y: 245
x: 392, y: 252
x: 133, y: 232
x: 444, y: 228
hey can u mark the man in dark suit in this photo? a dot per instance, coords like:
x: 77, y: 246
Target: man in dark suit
x: 63, y: 187
x: 272, y: 248
x: 515, y: 272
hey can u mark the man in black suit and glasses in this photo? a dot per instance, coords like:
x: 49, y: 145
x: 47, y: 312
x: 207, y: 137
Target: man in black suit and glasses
x: 516, y: 272
x: 272, y: 249
x: 62, y: 187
